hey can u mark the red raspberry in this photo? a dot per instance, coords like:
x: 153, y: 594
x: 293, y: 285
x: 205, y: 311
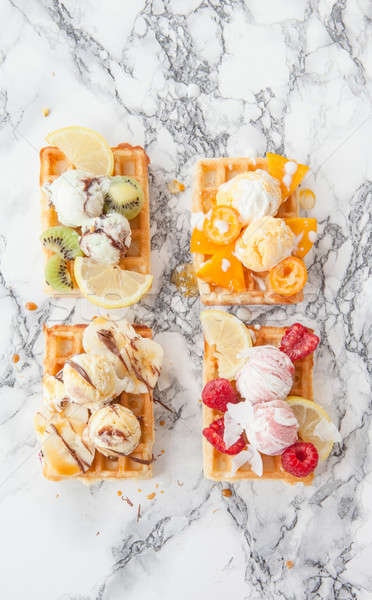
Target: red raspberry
x: 217, y: 393
x: 214, y: 434
x: 298, y: 342
x: 300, y: 459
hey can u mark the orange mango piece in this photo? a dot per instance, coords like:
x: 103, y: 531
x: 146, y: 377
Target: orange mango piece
x: 224, y: 270
x: 276, y: 168
x: 305, y: 231
x: 200, y: 243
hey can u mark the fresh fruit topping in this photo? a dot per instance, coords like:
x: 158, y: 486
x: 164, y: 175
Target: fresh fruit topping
x: 125, y: 196
x: 214, y: 435
x: 315, y: 425
x: 200, y: 243
x: 57, y: 274
x: 305, y: 232
x: 108, y: 285
x: 62, y: 240
x: 230, y: 337
x: 223, y: 225
x: 300, y: 459
x: 288, y: 172
x: 225, y: 270
x: 307, y: 199
x: 217, y: 393
x: 298, y: 342
x: 85, y: 149
x: 288, y: 277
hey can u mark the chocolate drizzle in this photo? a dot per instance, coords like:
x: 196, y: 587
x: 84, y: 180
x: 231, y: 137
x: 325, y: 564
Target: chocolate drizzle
x: 134, y: 367
x: 106, y: 336
x: 79, y: 369
x: 142, y: 461
x: 88, y: 182
x: 164, y: 405
x: 59, y: 375
x: 108, y: 432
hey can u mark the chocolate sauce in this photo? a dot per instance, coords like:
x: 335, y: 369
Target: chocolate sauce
x: 81, y: 372
x: 142, y: 461
x: 108, y: 339
x: 134, y: 367
x: 164, y: 405
x: 59, y: 375
x: 108, y: 432
x: 88, y: 182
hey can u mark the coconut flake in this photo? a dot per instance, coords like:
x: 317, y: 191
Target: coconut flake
x: 232, y: 431
x: 251, y: 456
x: 225, y: 265
x: 326, y: 431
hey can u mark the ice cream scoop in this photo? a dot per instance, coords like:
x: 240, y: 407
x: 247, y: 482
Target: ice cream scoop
x: 273, y: 427
x: 264, y: 243
x: 106, y: 238
x: 267, y: 375
x: 254, y: 194
x: 114, y: 430
x: 90, y: 380
x: 54, y: 393
x: 77, y: 196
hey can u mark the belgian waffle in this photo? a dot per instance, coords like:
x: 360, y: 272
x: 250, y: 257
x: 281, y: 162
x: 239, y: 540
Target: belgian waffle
x: 128, y: 160
x: 217, y: 466
x: 209, y: 175
x: 61, y: 343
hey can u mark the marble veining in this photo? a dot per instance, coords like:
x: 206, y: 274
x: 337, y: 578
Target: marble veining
x: 187, y: 80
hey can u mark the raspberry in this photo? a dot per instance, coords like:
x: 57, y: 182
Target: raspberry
x: 214, y: 435
x: 298, y: 342
x: 300, y: 459
x: 218, y: 393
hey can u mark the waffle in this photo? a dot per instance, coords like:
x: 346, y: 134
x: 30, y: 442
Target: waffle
x: 128, y: 160
x: 62, y: 342
x: 209, y: 175
x: 217, y: 466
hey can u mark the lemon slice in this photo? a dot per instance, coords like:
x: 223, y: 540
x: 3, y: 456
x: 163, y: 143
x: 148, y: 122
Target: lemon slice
x: 231, y: 338
x: 109, y: 286
x: 85, y: 148
x: 314, y: 421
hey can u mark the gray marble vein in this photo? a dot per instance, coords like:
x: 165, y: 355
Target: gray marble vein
x: 188, y: 80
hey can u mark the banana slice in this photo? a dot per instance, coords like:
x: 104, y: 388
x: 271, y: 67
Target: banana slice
x: 137, y: 360
x: 63, y: 451
x: 114, y: 430
x: 54, y: 394
x: 90, y: 380
x: 143, y: 358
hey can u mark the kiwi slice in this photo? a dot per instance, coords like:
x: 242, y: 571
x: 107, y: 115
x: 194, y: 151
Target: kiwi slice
x: 62, y: 240
x: 124, y: 196
x: 57, y: 274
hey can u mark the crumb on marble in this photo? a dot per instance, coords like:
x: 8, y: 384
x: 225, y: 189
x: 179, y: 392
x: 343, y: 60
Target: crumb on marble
x: 161, y: 423
x: 46, y: 112
x: 151, y: 496
x: 31, y: 306
x: 139, y: 513
x: 180, y: 483
x: 15, y: 358
x: 119, y: 493
x: 175, y: 187
x: 289, y: 564
x: 227, y: 493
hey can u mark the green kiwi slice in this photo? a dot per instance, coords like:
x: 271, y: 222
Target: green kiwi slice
x: 125, y: 196
x: 62, y: 240
x: 57, y: 275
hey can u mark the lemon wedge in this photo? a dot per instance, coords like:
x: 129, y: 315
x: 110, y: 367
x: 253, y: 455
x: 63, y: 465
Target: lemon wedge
x: 315, y: 425
x: 85, y: 148
x: 108, y: 285
x: 230, y: 337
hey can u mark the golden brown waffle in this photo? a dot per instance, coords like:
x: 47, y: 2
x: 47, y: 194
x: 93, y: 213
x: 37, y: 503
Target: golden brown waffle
x: 209, y: 175
x: 61, y: 343
x: 128, y: 160
x: 217, y: 466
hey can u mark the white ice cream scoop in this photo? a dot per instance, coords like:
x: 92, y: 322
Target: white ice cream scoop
x: 77, y: 196
x: 106, y: 238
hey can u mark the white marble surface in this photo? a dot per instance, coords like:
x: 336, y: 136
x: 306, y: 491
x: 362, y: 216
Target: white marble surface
x: 190, y: 78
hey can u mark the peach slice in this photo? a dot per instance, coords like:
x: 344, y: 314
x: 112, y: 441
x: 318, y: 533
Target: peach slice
x: 289, y: 180
x: 305, y: 232
x: 224, y: 270
x: 200, y: 243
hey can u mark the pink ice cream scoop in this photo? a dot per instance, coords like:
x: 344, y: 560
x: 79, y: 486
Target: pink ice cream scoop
x: 267, y: 375
x: 272, y: 428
